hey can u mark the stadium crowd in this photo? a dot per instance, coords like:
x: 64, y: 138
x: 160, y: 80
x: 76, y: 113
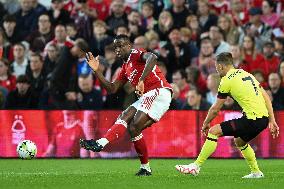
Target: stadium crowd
x: 42, y: 49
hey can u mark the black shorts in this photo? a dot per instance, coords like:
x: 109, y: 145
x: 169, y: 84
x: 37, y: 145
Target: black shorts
x: 245, y: 128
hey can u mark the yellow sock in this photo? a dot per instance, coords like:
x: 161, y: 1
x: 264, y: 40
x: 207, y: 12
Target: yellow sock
x: 208, y: 148
x: 249, y: 155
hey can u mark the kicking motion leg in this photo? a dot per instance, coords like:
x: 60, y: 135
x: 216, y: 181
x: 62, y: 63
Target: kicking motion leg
x: 115, y: 132
x: 249, y: 155
x: 139, y: 123
x: 207, y: 150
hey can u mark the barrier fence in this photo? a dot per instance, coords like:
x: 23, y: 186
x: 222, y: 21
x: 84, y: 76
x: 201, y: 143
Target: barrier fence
x: 176, y: 135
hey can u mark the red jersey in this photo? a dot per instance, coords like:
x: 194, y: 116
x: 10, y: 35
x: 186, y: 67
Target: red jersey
x: 66, y: 140
x: 9, y: 84
x: 133, y: 68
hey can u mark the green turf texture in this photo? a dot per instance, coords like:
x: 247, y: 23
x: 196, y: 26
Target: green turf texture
x: 116, y: 174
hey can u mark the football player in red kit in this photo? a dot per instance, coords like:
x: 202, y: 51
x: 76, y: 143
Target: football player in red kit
x: 139, y: 68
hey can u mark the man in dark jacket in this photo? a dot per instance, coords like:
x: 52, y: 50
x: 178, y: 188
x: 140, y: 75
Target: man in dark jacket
x: 23, y: 96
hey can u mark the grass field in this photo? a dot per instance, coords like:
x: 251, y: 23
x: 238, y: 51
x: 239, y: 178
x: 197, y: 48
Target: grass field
x: 116, y: 174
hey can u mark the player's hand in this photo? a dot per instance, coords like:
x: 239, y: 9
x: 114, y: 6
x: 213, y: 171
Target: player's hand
x: 92, y: 61
x: 140, y: 88
x: 205, y: 128
x: 274, y: 129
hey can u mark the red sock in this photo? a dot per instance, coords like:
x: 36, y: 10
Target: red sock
x: 141, y: 149
x: 116, y: 131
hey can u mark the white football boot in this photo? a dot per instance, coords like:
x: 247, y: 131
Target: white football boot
x: 192, y: 169
x: 254, y: 175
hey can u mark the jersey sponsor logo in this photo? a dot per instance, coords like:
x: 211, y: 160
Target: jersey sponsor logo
x: 234, y: 74
x: 132, y: 75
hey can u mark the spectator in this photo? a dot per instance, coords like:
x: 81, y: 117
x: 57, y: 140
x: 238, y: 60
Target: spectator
x: 192, y: 23
x: 51, y: 58
x: 206, y: 59
x: 83, y: 17
x: 21, y: 62
x: 5, y: 47
x: 276, y: 106
x: 220, y: 6
x: 176, y: 103
x: 3, y: 12
x: 118, y: 16
x: 26, y: 18
x: 164, y: 25
x: 113, y: 66
x: 238, y: 58
x: 281, y: 72
x: 278, y: 30
x: 38, y: 8
x: 271, y: 61
x: 256, y: 28
x: 101, y: 8
x: 205, y: 19
x: 36, y: 74
x: 279, y: 47
x: 231, y: 32
x: 148, y: 20
x: 269, y: 16
x: 159, y: 6
x: 176, y: 52
x: 195, y: 101
x: 40, y: 37
x: 179, y: 78
x: 122, y: 30
x: 88, y: 98
x: 141, y: 42
x: 274, y: 82
x: 154, y: 41
x: 260, y: 78
x: 239, y: 13
x: 72, y: 32
x: 57, y: 14
x: 61, y: 39
x: 7, y: 80
x: 9, y: 25
x: 251, y: 56
x: 100, y: 38
x: 22, y: 97
x: 134, y: 24
x: 179, y: 13
x: 79, y: 49
x: 186, y: 38
x: 195, y: 79
x: 217, y: 39
x: 213, y: 82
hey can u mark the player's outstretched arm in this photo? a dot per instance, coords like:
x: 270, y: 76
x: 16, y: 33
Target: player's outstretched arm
x: 273, y: 127
x: 94, y: 64
x: 212, y: 113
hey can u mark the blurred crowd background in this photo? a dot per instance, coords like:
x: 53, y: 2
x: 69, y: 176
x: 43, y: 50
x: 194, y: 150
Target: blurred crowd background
x: 43, y: 45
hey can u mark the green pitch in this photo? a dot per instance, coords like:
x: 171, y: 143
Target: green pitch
x: 116, y: 174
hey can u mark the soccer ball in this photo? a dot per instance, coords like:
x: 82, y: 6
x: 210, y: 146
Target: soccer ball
x: 26, y: 149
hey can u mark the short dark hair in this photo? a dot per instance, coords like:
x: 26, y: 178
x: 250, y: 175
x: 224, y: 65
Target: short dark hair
x: 84, y: 76
x: 149, y: 4
x: 20, y: 44
x: 37, y: 54
x: 182, y: 73
x: 22, y: 79
x: 121, y: 38
x: 9, y: 18
x: 196, y: 90
x: 225, y: 58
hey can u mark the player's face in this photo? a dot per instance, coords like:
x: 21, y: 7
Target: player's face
x: 219, y: 69
x: 122, y: 49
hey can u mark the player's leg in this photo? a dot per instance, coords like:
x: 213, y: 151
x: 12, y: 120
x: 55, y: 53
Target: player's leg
x: 207, y: 150
x: 115, y: 132
x: 151, y: 108
x: 249, y: 129
x: 135, y: 128
x: 249, y: 155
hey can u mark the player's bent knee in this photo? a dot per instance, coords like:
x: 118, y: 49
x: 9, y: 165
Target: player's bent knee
x: 239, y: 142
x: 216, y: 130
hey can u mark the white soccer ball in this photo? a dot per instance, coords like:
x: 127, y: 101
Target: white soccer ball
x: 26, y: 149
